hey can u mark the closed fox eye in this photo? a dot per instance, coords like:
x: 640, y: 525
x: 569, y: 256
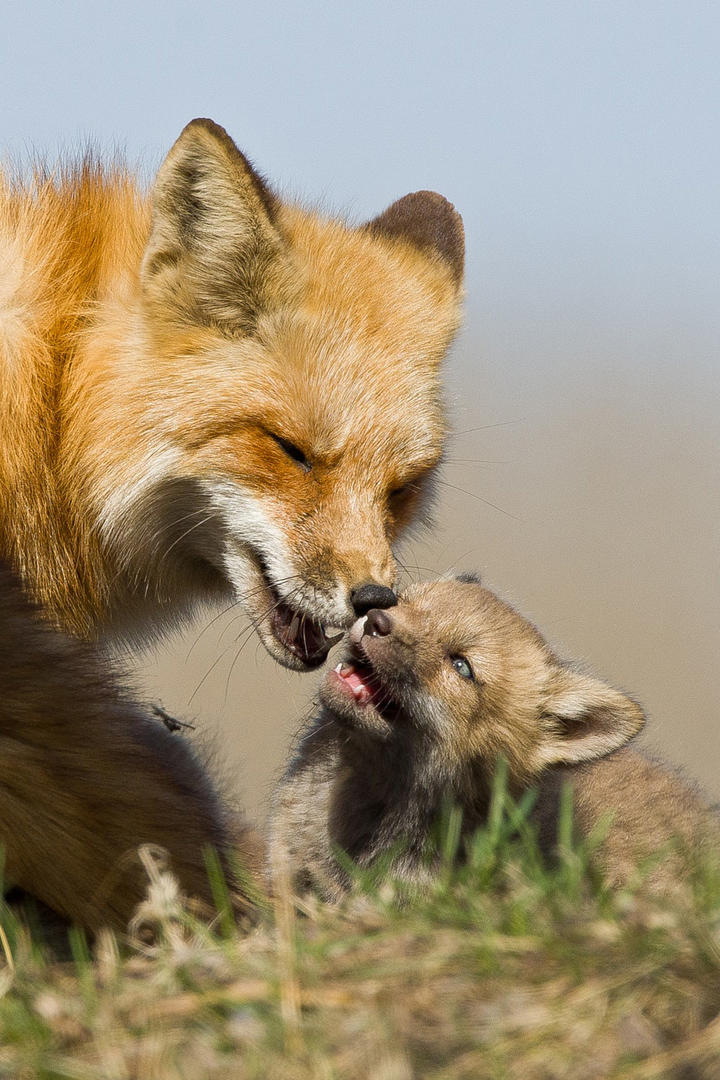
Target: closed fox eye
x: 291, y: 450
x: 401, y: 491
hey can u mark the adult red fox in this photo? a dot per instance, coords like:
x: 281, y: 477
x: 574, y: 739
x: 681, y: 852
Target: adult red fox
x: 211, y: 394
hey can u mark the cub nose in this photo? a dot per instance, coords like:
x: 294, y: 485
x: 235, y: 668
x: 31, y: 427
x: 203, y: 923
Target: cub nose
x: 371, y: 595
x: 377, y: 623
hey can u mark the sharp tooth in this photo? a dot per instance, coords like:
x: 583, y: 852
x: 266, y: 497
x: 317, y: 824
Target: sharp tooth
x: 339, y: 668
x: 292, y: 632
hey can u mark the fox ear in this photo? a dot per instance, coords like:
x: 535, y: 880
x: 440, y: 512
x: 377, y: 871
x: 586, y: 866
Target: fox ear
x: 214, y: 255
x: 429, y: 222
x: 584, y: 719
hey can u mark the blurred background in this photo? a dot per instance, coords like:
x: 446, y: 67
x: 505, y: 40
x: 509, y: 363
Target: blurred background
x: 581, y: 142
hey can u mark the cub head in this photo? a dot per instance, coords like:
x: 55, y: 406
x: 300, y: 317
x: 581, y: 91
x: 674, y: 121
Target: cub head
x: 286, y: 421
x: 460, y: 677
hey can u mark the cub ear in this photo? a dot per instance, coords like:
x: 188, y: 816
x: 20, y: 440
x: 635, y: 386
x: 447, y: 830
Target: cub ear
x: 214, y: 255
x: 584, y: 719
x: 428, y: 222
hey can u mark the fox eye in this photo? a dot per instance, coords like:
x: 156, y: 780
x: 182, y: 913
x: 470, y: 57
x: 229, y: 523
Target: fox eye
x: 462, y: 667
x: 402, y: 490
x: 291, y: 450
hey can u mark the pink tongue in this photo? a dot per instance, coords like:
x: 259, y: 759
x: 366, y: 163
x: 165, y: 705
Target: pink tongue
x: 361, y: 691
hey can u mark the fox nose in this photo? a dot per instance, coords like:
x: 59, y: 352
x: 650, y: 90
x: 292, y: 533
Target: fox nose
x: 370, y: 595
x: 377, y: 623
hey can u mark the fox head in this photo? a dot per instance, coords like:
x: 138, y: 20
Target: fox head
x: 456, y: 677
x: 281, y: 396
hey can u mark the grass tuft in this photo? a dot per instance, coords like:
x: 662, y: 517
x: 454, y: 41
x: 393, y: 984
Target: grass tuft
x: 505, y: 967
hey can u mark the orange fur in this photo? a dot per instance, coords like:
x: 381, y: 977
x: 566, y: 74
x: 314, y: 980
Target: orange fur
x: 127, y: 361
x: 204, y: 393
x: 63, y: 239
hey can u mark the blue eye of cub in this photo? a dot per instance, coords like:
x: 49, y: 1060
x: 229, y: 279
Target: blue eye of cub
x: 462, y: 667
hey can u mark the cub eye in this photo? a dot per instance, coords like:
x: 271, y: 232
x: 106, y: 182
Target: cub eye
x: 462, y: 667
x: 291, y: 450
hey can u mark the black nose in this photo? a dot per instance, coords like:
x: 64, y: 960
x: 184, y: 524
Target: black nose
x: 377, y: 623
x: 371, y: 595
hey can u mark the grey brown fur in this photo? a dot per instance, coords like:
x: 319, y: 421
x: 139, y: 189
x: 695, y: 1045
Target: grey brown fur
x: 105, y: 778
x: 372, y: 775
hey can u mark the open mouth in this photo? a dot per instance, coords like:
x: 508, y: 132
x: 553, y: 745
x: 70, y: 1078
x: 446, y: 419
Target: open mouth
x: 300, y: 635
x: 359, y: 682
x: 291, y: 636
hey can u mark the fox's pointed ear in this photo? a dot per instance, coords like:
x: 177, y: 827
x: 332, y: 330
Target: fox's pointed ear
x: 429, y: 222
x: 584, y: 719
x: 214, y: 255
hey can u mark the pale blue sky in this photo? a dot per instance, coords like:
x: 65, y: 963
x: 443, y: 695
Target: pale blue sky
x: 580, y: 139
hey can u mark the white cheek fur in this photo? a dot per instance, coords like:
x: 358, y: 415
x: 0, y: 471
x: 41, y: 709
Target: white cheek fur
x: 248, y: 520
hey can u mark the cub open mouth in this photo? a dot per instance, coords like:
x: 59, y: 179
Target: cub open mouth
x: 360, y: 682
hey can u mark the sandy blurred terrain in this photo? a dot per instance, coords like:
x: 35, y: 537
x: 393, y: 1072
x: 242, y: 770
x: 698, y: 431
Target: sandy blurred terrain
x: 583, y: 483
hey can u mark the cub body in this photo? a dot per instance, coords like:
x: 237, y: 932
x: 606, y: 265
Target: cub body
x: 430, y: 694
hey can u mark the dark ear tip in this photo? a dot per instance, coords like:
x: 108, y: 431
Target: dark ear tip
x: 430, y: 222
x: 468, y: 577
x: 193, y: 139
x: 426, y: 204
x: 428, y: 198
x: 203, y: 123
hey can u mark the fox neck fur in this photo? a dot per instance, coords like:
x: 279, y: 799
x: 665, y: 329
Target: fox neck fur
x: 208, y: 392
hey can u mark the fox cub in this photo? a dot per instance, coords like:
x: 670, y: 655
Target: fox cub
x: 430, y: 693
x: 206, y: 394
